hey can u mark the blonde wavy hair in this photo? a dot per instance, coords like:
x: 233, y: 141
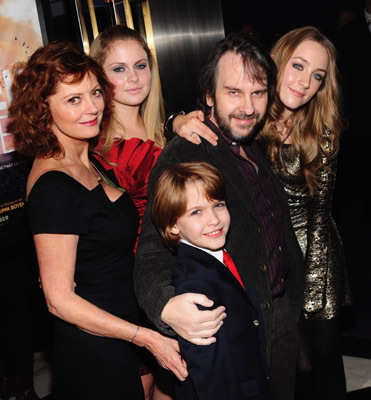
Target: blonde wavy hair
x: 308, y: 125
x: 152, y: 109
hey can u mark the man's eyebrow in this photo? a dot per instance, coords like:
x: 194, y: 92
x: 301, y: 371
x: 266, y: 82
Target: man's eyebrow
x: 231, y: 87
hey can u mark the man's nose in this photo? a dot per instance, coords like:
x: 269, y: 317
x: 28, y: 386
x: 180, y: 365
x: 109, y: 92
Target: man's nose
x: 247, y: 106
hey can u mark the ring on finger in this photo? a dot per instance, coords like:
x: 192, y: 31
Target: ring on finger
x: 192, y: 133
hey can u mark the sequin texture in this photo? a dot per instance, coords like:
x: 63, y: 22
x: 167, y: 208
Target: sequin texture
x: 327, y: 286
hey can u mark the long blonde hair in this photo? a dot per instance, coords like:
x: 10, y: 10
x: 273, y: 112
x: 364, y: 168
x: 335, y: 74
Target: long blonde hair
x: 152, y: 108
x: 309, y: 123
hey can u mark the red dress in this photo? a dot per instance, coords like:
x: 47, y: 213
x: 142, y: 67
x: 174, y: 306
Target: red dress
x: 133, y: 160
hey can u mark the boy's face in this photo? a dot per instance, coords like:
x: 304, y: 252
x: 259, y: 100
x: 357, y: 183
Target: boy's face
x: 205, y: 223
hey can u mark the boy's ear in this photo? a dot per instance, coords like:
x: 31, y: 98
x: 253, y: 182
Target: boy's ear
x: 174, y: 230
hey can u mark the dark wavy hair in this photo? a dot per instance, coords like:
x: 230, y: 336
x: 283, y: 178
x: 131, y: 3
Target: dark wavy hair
x: 35, y: 81
x: 258, y: 64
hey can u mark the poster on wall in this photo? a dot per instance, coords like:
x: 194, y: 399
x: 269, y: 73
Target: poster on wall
x: 20, y: 36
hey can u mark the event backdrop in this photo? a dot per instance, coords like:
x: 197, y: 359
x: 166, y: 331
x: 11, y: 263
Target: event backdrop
x: 20, y: 35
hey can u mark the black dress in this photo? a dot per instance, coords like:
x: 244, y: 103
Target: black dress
x: 88, y: 366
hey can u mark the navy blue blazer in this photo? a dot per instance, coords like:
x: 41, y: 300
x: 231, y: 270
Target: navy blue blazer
x: 234, y: 367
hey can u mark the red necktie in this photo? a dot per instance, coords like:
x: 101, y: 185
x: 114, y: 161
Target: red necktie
x: 227, y: 260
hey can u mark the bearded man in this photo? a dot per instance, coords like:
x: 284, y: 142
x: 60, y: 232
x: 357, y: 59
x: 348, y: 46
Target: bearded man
x: 237, y: 84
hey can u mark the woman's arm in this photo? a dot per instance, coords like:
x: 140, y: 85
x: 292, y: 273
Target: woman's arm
x: 56, y: 255
x: 319, y: 237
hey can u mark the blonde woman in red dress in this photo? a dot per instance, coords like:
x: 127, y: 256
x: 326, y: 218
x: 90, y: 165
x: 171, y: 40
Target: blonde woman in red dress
x: 134, y: 138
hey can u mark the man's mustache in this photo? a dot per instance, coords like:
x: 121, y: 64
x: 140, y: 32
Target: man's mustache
x: 242, y: 115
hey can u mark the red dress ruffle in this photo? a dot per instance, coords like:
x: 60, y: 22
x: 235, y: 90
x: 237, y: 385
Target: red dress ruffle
x: 133, y: 160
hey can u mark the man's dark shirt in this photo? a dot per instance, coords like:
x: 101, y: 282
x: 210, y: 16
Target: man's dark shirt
x: 268, y: 207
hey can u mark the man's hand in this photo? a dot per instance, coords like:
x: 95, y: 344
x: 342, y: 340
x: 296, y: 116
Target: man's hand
x: 190, y: 126
x: 183, y: 316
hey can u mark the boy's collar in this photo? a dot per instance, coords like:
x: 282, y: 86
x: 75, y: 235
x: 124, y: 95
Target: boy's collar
x: 218, y: 254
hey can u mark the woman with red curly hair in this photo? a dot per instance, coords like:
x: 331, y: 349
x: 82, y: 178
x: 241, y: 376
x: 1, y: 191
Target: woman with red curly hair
x: 84, y: 228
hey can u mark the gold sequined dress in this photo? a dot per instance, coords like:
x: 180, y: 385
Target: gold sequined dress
x: 327, y: 287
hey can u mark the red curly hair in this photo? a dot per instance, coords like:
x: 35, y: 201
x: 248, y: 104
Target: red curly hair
x: 35, y: 81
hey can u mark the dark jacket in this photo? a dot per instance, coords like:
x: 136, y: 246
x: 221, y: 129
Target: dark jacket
x: 234, y: 367
x: 245, y: 243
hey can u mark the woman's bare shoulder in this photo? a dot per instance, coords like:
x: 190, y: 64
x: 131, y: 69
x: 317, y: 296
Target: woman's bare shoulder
x: 40, y: 167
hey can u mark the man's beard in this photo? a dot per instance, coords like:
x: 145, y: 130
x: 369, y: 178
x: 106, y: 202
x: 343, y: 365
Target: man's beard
x: 225, y: 125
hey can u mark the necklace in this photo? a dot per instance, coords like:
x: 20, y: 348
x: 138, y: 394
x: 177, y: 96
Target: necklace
x: 98, y: 178
x: 94, y: 173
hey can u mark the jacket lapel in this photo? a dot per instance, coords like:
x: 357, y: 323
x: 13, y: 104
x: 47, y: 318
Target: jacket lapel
x: 224, y: 160
x: 206, y: 261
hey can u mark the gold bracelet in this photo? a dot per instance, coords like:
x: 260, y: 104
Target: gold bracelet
x: 135, y: 334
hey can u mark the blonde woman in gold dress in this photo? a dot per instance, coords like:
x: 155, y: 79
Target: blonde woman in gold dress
x: 301, y: 139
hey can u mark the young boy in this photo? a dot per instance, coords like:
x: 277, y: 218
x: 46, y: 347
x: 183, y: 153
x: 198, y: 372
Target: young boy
x: 190, y: 212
